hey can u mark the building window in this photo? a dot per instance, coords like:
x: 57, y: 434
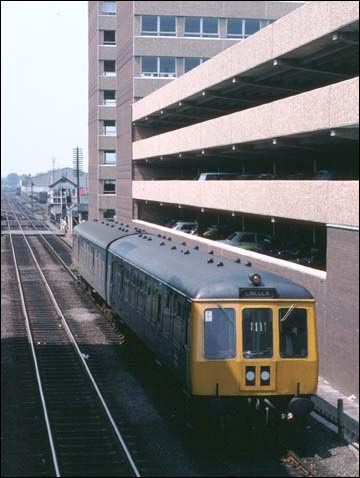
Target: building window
x: 234, y: 28
x: 109, y: 157
x: 161, y: 66
x: 109, y: 8
x: 192, y: 26
x: 109, y: 37
x: 109, y: 128
x: 149, y: 25
x: 167, y: 66
x: 109, y: 68
x: 242, y: 28
x: 109, y: 214
x: 149, y: 66
x: 109, y: 186
x: 201, y: 27
x: 191, y: 63
x: 167, y: 26
x: 109, y: 97
x: 210, y: 27
x: 158, y: 25
x: 251, y: 27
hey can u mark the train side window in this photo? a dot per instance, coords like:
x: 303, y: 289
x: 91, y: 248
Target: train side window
x: 178, y: 311
x: 92, y: 258
x: 179, y: 324
x: 293, y: 333
x: 156, y: 306
x: 140, y: 292
x: 121, y: 278
x: 167, y: 313
x: 148, y: 299
x: 219, y: 333
x: 126, y: 284
x: 257, y: 333
x: 159, y: 310
x: 167, y: 300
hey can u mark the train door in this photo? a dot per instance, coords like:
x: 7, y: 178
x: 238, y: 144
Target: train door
x: 116, y: 285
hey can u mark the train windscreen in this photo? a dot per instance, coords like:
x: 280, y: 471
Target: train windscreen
x: 219, y: 333
x: 293, y: 333
x: 257, y: 332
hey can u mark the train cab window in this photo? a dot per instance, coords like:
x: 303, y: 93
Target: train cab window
x: 158, y: 309
x: 219, y: 333
x: 167, y: 313
x: 293, y: 333
x: 179, y: 322
x: 257, y: 333
x: 92, y: 258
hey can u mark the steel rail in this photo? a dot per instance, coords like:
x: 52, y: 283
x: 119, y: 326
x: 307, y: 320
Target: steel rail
x: 28, y: 330
x: 50, y: 246
x: 81, y: 356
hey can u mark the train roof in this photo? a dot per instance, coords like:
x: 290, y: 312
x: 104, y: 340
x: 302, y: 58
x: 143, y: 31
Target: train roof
x: 198, y: 274
x: 104, y: 232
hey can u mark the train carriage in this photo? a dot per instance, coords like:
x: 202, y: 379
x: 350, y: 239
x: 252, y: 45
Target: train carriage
x: 90, y: 243
x: 224, y: 328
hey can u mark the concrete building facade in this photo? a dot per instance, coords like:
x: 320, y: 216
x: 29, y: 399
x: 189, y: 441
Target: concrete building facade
x: 136, y: 47
x: 283, y: 101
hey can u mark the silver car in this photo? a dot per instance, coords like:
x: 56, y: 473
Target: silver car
x: 183, y: 226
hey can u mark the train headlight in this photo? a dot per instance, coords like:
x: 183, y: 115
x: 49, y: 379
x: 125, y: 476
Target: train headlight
x: 250, y: 376
x: 255, y: 278
x: 265, y: 376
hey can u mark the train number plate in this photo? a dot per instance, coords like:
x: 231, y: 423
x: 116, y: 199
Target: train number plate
x: 257, y: 293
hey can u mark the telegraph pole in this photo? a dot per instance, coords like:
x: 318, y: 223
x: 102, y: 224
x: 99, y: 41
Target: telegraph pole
x: 53, y: 170
x: 77, y: 165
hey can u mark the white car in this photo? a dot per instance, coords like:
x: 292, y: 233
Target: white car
x: 218, y: 176
x: 183, y: 226
x: 246, y: 240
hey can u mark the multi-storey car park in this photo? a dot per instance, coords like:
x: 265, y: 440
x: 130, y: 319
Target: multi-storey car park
x: 134, y: 49
x: 284, y: 103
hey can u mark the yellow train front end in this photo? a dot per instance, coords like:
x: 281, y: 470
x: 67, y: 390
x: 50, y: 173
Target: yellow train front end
x: 253, y: 348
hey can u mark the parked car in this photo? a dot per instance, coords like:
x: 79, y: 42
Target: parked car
x: 325, y: 175
x: 296, y: 176
x: 216, y: 232
x: 264, y: 176
x: 169, y: 222
x: 218, y: 176
x: 298, y: 253
x: 186, y: 226
x: 270, y: 246
x: 315, y: 260
x: 246, y: 240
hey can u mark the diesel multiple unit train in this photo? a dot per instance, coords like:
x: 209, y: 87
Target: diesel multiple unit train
x: 224, y: 328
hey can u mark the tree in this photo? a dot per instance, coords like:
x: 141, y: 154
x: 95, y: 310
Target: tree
x: 12, y: 179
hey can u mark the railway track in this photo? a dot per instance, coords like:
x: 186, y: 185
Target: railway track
x: 83, y: 436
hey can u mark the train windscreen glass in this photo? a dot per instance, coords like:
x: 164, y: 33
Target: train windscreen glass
x: 293, y: 333
x: 257, y: 333
x: 219, y: 333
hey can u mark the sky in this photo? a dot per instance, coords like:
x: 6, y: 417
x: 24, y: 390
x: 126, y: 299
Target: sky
x: 44, y: 84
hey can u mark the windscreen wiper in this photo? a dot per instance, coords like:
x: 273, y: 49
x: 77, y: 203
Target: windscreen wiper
x: 223, y: 311
x: 291, y: 308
